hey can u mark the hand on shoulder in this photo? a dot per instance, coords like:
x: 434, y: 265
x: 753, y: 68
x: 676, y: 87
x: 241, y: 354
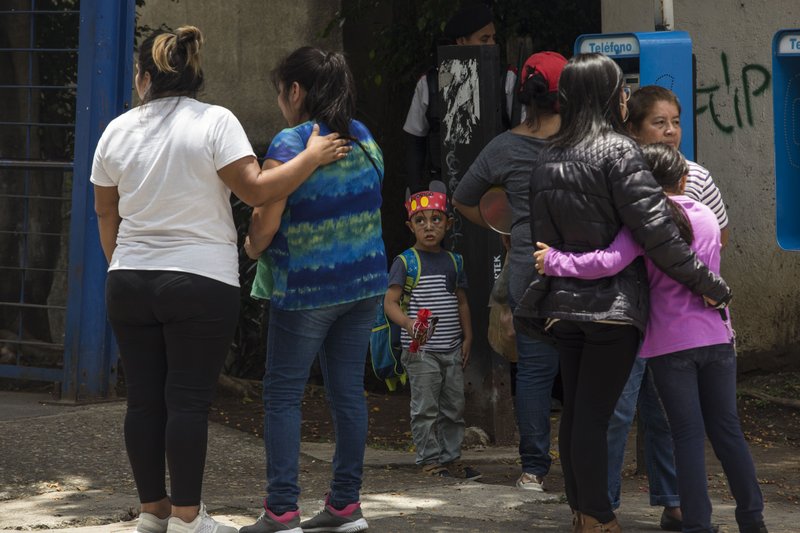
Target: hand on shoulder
x: 327, y: 148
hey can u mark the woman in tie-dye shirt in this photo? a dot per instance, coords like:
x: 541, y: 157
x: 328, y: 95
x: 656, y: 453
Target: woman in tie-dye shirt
x: 323, y: 268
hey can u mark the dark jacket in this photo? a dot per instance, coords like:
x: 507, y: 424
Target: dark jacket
x: 580, y: 197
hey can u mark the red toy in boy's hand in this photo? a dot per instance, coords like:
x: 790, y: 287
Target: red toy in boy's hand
x: 423, y: 329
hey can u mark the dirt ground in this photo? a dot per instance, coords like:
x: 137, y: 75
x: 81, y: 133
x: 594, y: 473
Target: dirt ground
x: 772, y: 430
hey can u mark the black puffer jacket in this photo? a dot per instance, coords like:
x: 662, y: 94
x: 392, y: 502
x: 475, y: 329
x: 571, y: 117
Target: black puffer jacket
x: 580, y: 197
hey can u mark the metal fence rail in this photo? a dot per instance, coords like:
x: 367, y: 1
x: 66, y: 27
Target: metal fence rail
x: 65, y: 72
x: 38, y: 84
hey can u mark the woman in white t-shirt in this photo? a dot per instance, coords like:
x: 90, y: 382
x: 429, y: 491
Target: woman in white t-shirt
x: 163, y: 173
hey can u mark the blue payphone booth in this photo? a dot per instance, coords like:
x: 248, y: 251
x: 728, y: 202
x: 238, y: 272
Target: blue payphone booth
x: 786, y: 115
x: 661, y: 58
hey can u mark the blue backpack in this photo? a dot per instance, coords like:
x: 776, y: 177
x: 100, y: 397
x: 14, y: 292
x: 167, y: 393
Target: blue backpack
x: 384, y: 341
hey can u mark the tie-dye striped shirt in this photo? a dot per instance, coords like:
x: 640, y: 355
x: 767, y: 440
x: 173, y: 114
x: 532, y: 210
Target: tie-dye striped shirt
x: 329, y: 248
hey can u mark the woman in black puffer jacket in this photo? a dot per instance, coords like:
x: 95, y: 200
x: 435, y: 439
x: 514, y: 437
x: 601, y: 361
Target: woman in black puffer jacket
x: 590, y: 182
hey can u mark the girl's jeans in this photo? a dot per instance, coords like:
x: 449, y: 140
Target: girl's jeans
x: 698, y: 388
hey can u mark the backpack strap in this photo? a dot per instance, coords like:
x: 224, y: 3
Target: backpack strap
x: 458, y: 262
x: 410, y: 259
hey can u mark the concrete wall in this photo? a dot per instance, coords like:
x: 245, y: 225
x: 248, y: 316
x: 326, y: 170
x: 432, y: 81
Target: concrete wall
x: 244, y: 40
x: 732, y: 43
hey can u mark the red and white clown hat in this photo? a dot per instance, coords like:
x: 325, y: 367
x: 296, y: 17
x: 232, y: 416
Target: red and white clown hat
x: 426, y: 201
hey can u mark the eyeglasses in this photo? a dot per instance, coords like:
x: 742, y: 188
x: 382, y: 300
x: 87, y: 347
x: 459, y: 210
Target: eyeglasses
x: 626, y: 93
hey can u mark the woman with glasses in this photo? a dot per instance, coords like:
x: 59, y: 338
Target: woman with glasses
x: 591, y: 181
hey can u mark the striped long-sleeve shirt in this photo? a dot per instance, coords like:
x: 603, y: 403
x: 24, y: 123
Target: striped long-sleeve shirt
x: 700, y: 187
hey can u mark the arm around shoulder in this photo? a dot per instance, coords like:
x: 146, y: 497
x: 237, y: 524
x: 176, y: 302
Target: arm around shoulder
x: 257, y: 186
x: 641, y: 205
x: 592, y: 265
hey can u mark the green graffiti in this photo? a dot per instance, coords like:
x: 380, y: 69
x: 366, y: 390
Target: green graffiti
x: 755, y: 81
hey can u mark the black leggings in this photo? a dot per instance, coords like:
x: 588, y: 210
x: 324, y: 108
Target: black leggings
x: 596, y: 360
x: 174, y: 331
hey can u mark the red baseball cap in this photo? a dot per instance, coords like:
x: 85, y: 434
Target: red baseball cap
x: 548, y: 64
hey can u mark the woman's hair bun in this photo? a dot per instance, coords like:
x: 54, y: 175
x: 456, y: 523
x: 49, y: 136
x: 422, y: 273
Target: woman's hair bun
x: 189, y: 35
x: 534, y: 88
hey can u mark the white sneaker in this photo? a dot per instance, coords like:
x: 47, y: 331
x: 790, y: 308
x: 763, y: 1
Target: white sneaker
x: 530, y: 482
x: 201, y: 524
x: 150, y: 523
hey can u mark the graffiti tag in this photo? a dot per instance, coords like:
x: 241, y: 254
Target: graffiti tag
x: 755, y: 80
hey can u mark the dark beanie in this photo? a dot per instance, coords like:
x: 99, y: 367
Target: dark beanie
x: 467, y: 21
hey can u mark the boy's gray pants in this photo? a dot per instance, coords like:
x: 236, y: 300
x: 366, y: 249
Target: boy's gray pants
x: 437, y: 404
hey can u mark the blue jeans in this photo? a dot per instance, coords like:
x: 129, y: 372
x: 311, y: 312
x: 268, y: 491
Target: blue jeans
x: 340, y: 335
x: 437, y: 404
x: 698, y: 388
x: 659, y: 456
x: 537, y: 366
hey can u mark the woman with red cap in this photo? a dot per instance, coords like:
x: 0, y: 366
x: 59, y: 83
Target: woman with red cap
x: 507, y: 161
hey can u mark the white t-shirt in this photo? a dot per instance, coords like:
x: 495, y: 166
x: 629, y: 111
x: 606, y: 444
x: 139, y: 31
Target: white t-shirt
x: 417, y: 120
x: 163, y: 157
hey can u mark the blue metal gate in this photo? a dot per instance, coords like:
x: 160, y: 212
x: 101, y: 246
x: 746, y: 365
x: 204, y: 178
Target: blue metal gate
x: 65, y: 72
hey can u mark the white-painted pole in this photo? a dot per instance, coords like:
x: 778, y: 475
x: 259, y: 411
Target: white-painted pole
x: 664, y: 15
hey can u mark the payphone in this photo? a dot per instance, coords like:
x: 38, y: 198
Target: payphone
x: 661, y: 58
x: 786, y: 117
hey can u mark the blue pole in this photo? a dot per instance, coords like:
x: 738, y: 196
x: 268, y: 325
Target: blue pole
x: 105, y: 57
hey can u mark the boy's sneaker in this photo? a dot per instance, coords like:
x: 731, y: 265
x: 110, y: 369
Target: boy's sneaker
x: 347, y: 520
x: 435, y: 470
x: 529, y: 481
x: 462, y: 471
x: 150, y: 523
x: 201, y: 524
x: 269, y: 522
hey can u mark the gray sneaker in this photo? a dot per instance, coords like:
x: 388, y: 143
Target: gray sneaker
x: 269, y: 522
x: 348, y: 520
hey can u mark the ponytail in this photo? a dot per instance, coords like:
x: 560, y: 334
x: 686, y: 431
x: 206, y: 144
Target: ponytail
x: 669, y: 167
x: 329, y: 84
x: 537, y: 98
x: 678, y: 216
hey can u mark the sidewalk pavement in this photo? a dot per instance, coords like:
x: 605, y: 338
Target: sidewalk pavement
x: 64, y: 468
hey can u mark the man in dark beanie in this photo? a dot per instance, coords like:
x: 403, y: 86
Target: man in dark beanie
x: 471, y: 25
